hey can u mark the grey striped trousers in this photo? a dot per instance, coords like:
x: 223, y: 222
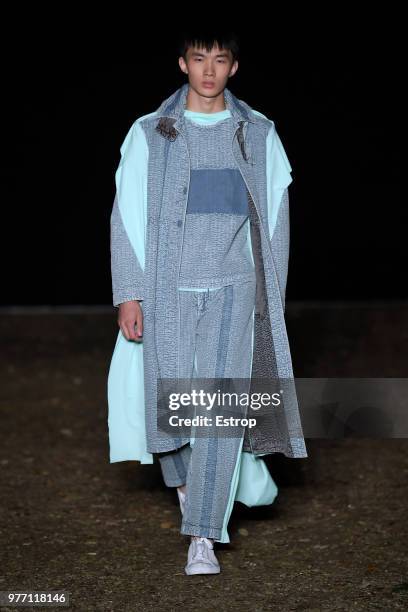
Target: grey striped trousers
x: 216, y: 341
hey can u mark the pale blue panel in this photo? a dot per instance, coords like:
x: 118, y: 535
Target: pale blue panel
x: 131, y: 187
x: 207, y: 118
x: 278, y: 173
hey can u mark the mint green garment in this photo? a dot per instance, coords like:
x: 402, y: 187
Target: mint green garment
x: 252, y: 483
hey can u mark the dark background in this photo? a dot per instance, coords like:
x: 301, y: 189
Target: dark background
x: 109, y: 534
x: 332, y: 86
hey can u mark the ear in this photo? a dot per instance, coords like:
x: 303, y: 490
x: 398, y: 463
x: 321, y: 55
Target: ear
x: 183, y: 65
x: 234, y: 68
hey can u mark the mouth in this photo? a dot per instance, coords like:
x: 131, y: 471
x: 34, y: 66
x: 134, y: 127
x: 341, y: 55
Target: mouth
x: 208, y: 84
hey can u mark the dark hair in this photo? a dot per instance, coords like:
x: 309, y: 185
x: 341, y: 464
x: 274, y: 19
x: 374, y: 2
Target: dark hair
x: 227, y: 40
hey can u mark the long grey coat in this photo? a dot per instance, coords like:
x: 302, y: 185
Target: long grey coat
x: 279, y: 429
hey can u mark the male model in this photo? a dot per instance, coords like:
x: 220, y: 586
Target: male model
x: 199, y: 252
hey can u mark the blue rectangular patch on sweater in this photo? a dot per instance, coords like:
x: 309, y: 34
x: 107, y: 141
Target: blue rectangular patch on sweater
x: 217, y: 190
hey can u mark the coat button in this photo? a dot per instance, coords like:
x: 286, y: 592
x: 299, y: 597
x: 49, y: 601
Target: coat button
x: 185, y: 190
x: 179, y: 222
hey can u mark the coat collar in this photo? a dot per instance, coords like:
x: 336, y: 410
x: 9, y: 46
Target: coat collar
x: 171, y: 112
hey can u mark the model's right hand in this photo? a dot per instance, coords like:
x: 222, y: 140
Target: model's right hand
x: 131, y: 314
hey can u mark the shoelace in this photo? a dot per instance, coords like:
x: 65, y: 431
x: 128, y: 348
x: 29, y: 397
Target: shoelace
x: 201, y: 548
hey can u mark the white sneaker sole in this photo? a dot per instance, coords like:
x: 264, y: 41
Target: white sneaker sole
x: 201, y: 568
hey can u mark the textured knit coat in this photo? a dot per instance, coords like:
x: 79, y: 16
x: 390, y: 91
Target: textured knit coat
x: 154, y: 273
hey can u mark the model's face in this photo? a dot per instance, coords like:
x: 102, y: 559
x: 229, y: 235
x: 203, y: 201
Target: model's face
x: 214, y: 67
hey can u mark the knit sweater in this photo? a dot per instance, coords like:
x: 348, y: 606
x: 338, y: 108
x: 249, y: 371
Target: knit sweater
x: 216, y: 245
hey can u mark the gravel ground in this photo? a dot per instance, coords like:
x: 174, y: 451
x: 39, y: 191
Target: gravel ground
x: 335, y: 538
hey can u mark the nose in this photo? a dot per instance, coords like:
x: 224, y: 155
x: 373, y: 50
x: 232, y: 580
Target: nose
x: 208, y: 70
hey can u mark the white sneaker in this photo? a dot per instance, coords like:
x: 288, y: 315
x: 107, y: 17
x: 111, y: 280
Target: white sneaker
x: 182, y: 500
x: 201, y: 558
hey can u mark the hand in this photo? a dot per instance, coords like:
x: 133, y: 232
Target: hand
x: 131, y: 314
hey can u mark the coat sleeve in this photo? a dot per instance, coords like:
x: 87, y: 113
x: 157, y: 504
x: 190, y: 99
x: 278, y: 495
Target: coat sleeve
x: 278, y: 180
x: 127, y: 221
x: 127, y: 274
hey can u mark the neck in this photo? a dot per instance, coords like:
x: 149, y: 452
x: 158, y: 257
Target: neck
x: 201, y: 104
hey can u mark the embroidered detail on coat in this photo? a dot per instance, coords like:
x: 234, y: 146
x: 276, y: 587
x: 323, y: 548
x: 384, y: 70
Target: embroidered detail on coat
x: 166, y: 129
